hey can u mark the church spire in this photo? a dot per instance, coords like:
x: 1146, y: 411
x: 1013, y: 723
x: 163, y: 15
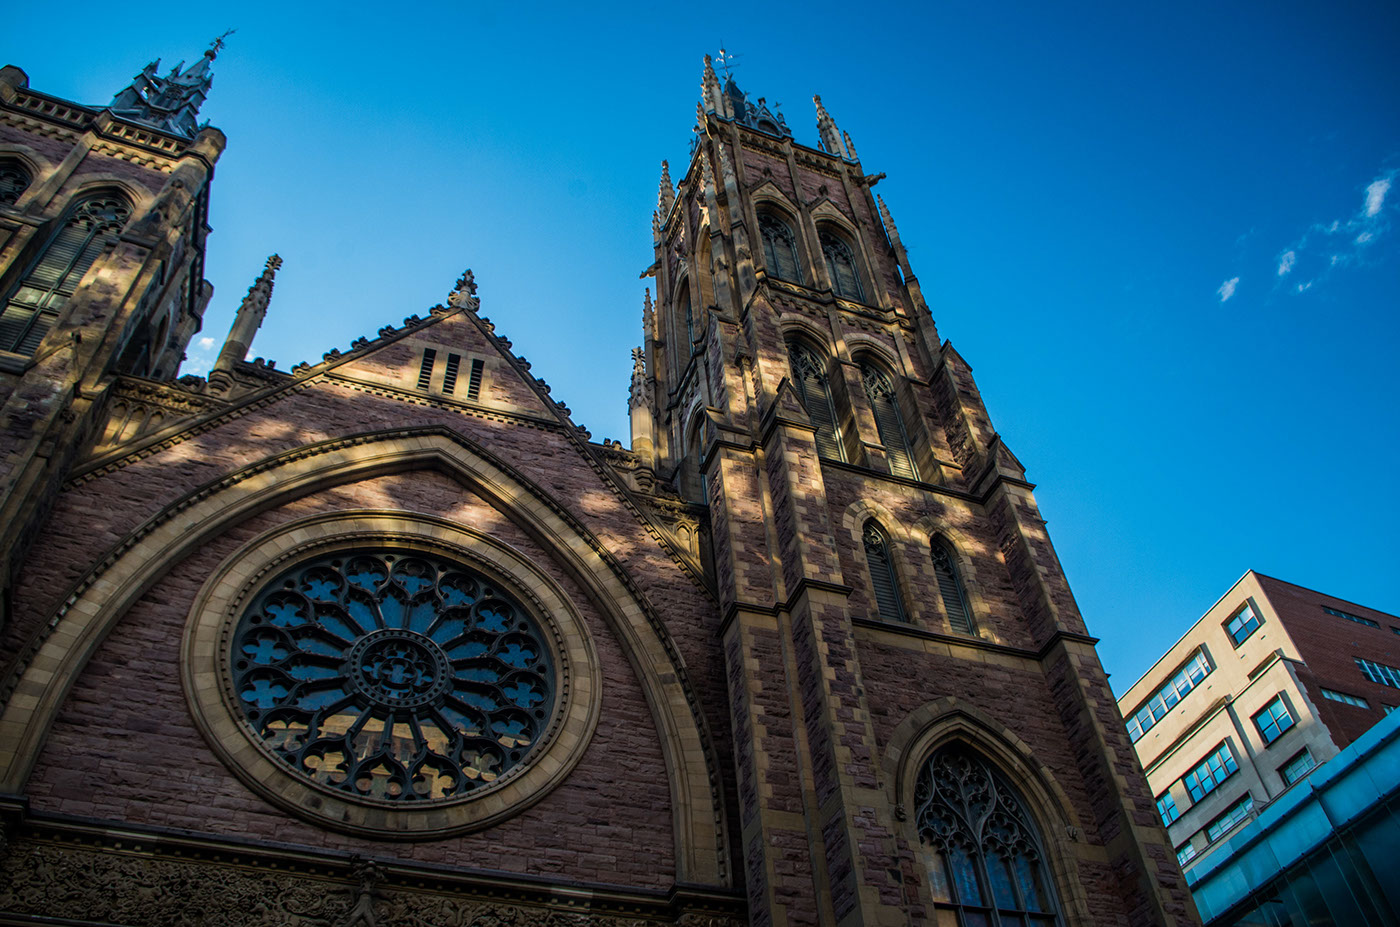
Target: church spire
x: 169, y: 103
x: 248, y: 318
x: 666, y: 194
x: 826, y: 129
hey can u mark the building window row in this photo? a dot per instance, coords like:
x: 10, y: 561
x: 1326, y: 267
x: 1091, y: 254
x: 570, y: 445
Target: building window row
x: 1166, y: 807
x: 1235, y: 815
x: 1379, y: 672
x: 1164, y: 699
x: 884, y: 580
x: 1211, y: 771
x: 1350, y: 617
x: 1273, y: 720
x: 1185, y: 853
x: 1345, y: 699
x: 1242, y: 624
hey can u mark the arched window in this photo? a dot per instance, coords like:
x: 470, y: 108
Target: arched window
x: 979, y: 845
x: 779, y: 248
x: 14, y: 179
x: 42, y: 294
x: 841, y: 264
x: 809, y: 376
x: 882, y: 575
x: 686, y: 320
x: 950, y: 587
x: 883, y: 402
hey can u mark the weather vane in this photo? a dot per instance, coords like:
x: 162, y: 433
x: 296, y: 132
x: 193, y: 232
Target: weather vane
x: 727, y: 63
x: 218, y: 44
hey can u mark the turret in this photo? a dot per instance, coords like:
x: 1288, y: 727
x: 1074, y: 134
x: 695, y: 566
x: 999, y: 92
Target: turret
x: 248, y: 319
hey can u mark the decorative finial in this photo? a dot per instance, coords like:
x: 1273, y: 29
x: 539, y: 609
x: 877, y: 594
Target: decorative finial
x: 826, y: 129
x: 273, y: 265
x: 850, y: 146
x: 727, y: 63
x: 464, y: 292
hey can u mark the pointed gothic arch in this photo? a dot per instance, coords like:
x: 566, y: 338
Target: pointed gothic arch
x: 952, y: 729
x: 15, y: 177
x: 781, y: 254
x: 68, y: 640
x: 842, y: 265
x: 36, y: 301
x: 894, y: 434
x: 952, y: 592
x: 884, y: 576
x: 813, y: 385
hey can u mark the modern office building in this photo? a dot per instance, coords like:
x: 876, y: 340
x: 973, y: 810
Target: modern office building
x: 1273, y: 680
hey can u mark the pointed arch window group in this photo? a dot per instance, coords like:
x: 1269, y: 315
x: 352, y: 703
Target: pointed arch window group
x: 981, y: 849
x: 884, y: 580
x: 889, y: 422
x: 31, y: 309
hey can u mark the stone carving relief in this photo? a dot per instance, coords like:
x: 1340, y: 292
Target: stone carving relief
x: 128, y: 889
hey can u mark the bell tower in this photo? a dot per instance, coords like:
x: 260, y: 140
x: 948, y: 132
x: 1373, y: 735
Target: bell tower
x: 892, y: 607
x: 103, y: 219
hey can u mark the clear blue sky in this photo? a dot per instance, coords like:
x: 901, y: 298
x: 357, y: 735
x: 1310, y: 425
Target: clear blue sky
x: 1081, y: 187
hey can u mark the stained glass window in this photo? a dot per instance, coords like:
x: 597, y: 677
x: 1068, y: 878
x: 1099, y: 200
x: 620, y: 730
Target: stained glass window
x: 980, y: 847
x: 398, y: 676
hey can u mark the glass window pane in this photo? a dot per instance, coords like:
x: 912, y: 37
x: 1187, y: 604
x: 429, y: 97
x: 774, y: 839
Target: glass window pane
x: 965, y: 877
x: 999, y: 874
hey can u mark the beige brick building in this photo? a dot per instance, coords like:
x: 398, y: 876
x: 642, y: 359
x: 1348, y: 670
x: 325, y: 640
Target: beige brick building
x: 1270, y: 682
x: 388, y: 640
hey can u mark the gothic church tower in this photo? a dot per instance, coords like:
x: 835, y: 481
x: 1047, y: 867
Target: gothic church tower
x: 386, y: 639
x: 900, y: 642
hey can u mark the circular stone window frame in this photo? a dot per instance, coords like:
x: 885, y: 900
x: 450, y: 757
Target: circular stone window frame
x: 208, y: 682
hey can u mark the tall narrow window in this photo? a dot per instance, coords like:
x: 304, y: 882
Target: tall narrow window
x: 809, y: 376
x: 474, y: 379
x: 950, y: 588
x: 14, y: 180
x: 779, y: 248
x: 882, y: 574
x: 40, y: 297
x: 888, y: 421
x: 841, y: 264
x: 980, y: 847
x: 425, y: 369
x: 449, y: 377
x: 688, y: 319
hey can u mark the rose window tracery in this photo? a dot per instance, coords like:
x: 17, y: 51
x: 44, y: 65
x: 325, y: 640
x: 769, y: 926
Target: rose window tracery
x: 980, y: 847
x: 394, y: 676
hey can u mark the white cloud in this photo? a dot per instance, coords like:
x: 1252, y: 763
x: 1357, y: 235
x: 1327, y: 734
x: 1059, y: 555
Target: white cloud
x: 1227, y: 289
x: 1375, y: 194
x: 205, y: 343
x: 1327, y: 247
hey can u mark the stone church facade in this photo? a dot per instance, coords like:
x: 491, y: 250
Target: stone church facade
x: 388, y: 640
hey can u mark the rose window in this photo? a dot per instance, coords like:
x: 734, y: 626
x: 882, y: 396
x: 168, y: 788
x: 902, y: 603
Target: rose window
x: 392, y: 676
